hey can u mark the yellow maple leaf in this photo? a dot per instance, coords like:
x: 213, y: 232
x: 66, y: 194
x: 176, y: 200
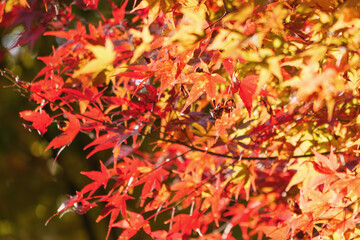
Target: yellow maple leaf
x: 104, y: 57
x: 194, y: 6
x: 203, y: 82
x: 325, y: 84
x: 327, y: 5
x: 145, y: 45
x: 304, y: 175
x: 154, y: 11
x: 191, y: 28
x: 11, y: 3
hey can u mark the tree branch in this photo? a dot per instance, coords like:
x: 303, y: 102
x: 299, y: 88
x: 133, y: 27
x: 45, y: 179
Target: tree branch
x: 193, y: 148
x: 227, y: 11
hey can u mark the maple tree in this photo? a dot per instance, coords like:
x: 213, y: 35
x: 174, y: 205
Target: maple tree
x: 220, y: 115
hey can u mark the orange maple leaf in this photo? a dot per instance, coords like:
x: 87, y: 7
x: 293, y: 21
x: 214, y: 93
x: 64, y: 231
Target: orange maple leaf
x: 203, y: 81
x: 330, y: 163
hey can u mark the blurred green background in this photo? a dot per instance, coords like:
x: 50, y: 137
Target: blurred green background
x: 32, y: 186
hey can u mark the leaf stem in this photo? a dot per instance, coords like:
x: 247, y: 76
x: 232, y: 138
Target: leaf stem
x: 227, y: 11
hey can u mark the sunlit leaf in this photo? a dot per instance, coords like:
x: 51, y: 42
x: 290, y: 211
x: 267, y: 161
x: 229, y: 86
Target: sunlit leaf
x: 40, y: 120
x: 68, y: 135
x: 104, y: 57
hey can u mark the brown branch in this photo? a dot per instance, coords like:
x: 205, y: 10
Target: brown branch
x: 193, y: 148
x: 227, y: 11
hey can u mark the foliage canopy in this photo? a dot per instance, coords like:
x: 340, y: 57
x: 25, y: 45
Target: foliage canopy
x: 219, y: 114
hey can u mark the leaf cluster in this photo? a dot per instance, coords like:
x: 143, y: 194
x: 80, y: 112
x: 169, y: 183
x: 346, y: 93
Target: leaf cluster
x: 220, y: 113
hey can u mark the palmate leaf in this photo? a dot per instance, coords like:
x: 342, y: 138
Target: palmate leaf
x: 2, y: 7
x: 159, y: 201
x: 247, y: 89
x: 76, y: 203
x: 116, y: 204
x: 330, y: 162
x: 154, y: 10
x: 113, y: 139
x: 40, y: 120
x: 68, y: 135
x: 153, y: 180
x: 100, y: 179
x: 185, y: 223
x: 132, y: 225
x: 185, y: 169
x: 104, y: 57
x: 203, y: 82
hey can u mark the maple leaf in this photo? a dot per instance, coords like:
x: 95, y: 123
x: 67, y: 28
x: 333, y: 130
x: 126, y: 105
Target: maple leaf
x: 243, y: 177
x: 191, y: 29
x: 154, y: 10
x: 76, y: 204
x: 320, y: 205
x: 113, y: 139
x: 331, y: 163
x: 116, y: 204
x: 182, y: 189
x: 222, y: 124
x: 247, y: 88
x: 104, y: 57
x: 40, y: 120
x: 100, y: 178
x: 68, y: 135
x: 168, y: 69
x: 132, y: 225
x: 160, y: 200
x: 153, y: 182
x: 229, y: 66
x: 47, y: 89
x: 184, y: 223
x: 203, y: 82
x: 2, y: 8
x: 119, y: 13
x: 302, y: 169
x: 144, y: 46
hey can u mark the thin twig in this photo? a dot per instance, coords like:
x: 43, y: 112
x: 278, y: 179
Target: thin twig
x: 193, y: 148
x: 190, y: 146
x: 227, y: 11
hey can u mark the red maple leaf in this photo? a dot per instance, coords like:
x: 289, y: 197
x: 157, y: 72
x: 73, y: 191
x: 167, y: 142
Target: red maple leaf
x: 116, y: 204
x: 247, y: 90
x: 2, y: 7
x: 40, y: 120
x: 152, y: 182
x: 100, y: 178
x: 87, y: 4
x: 229, y: 66
x: 119, y: 13
x: 132, y: 225
x: 185, y: 223
x: 76, y: 203
x: 68, y: 135
x: 203, y: 81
